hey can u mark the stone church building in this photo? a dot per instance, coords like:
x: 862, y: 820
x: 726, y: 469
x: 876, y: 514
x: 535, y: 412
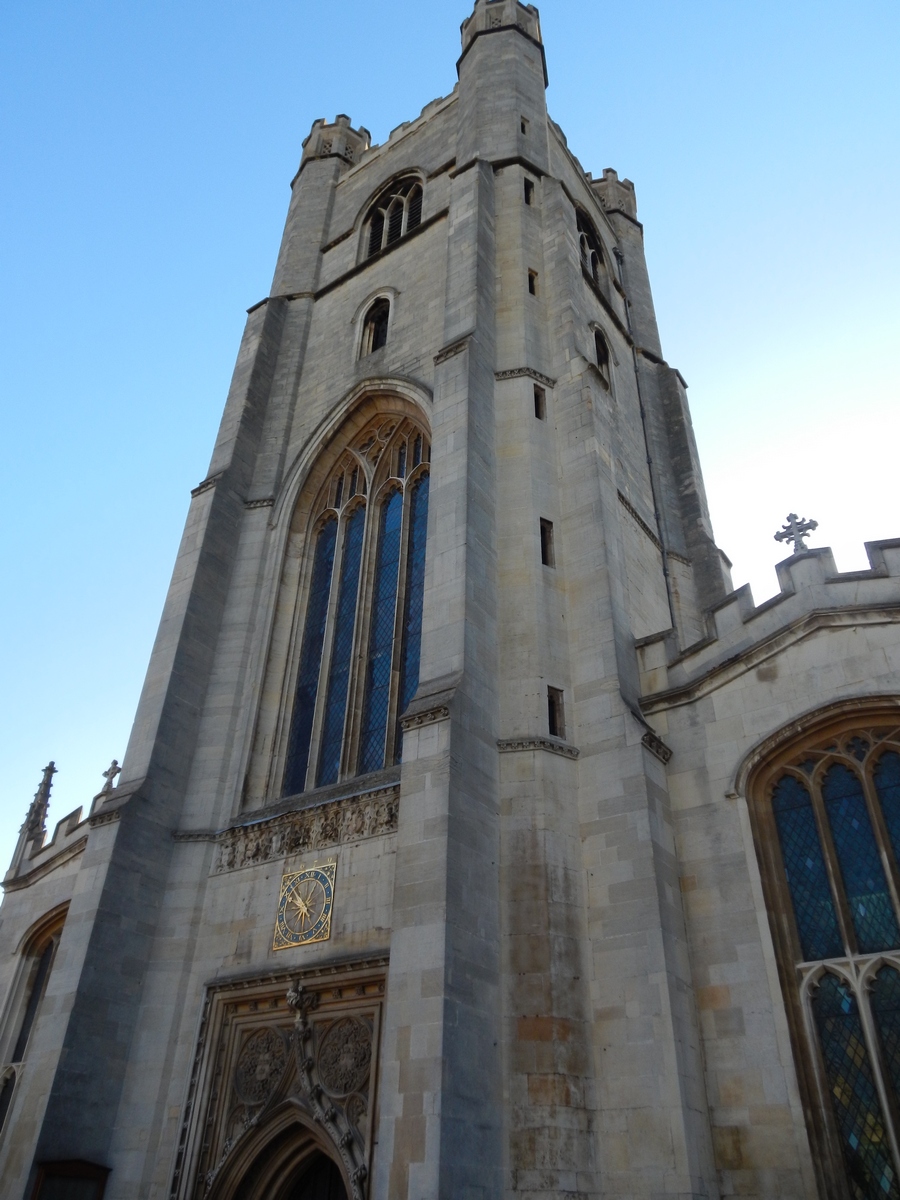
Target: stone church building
x: 475, y: 839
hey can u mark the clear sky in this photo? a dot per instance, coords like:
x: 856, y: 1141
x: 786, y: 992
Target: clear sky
x: 147, y: 149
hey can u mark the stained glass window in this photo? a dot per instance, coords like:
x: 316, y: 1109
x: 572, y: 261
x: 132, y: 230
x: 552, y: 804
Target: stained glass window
x: 415, y: 590
x: 381, y: 637
x: 310, y: 659
x: 341, y: 650
x: 854, y: 1096
x: 358, y: 663
x: 804, y: 866
x: 841, y: 875
x: 887, y: 784
x: 863, y: 875
x: 886, y: 1007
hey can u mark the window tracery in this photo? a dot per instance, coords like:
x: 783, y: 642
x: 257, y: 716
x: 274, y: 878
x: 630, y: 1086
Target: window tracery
x: 358, y: 662
x: 593, y: 261
x: 830, y: 828
x: 38, y: 956
x: 396, y: 212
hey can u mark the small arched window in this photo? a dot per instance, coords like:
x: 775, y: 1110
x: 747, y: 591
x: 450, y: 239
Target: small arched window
x: 829, y: 823
x: 358, y: 663
x: 602, y: 356
x: 375, y: 326
x: 396, y: 212
x: 593, y: 261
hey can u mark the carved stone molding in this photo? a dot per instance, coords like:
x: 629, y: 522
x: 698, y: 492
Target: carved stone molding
x: 416, y: 720
x: 518, y: 745
x: 208, y: 483
x: 373, y: 814
x: 527, y: 372
x: 280, y: 1044
x: 451, y: 350
x: 657, y: 747
x: 267, y: 502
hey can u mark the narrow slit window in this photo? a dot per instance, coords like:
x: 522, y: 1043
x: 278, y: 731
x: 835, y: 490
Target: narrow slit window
x: 540, y: 403
x: 7, y: 1087
x: 556, y: 713
x: 529, y: 192
x: 523, y: 126
x: 548, y: 554
x: 375, y: 327
x: 532, y: 283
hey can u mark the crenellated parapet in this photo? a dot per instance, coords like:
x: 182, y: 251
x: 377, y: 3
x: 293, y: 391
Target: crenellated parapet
x: 742, y: 635
x: 336, y: 140
x: 615, y: 194
x: 491, y: 15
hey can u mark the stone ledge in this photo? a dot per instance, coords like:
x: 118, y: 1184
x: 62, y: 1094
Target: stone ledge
x: 524, y: 745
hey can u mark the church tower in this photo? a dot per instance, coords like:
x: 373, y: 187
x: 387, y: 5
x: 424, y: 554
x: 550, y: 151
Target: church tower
x: 439, y: 865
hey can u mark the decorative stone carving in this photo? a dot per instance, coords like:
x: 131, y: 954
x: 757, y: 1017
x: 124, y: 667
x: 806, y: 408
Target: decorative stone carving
x: 416, y: 720
x: 260, y: 1066
x: 452, y: 350
x: 527, y: 372
x: 518, y: 745
x: 657, y: 747
x: 345, y: 1055
x: 349, y: 820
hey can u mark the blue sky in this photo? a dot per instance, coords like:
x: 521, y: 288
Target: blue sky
x: 147, y: 149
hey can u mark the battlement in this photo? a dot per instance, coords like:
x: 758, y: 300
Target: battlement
x: 615, y: 194
x: 491, y: 15
x: 337, y: 140
x: 741, y: 634
x: 42, y: 855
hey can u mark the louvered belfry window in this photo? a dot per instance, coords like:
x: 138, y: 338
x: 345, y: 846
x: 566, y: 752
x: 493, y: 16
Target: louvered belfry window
x: 396, y: 213
x: 835, y: 815
x: 358, y: 658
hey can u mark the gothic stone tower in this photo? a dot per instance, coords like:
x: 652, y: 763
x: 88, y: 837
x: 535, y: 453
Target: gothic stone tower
x: 445, y: 861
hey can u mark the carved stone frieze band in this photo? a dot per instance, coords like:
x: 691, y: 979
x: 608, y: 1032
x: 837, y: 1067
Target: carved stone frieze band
x: 416, y: 720
x: 266, y: 502
x: 518, y: 745
x: 657, y: 747
x: 451, y: 350
x: 519, y: 372
x: 353, y: 819
x: 208, y: 483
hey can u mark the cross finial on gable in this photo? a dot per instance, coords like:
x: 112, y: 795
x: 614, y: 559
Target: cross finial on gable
x: 796, y: 529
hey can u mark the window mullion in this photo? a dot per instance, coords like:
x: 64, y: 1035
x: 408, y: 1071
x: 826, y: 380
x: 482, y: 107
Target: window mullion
x: 315, y: 740
x: 399, y: 609
x: 882, y: 837
x: 833, y: 1138
x: 832, y: 866
x: 357, y: 683
x: 873, y: 1043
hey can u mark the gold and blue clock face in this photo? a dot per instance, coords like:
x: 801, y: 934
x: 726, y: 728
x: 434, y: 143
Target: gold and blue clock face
x: 304, y: 909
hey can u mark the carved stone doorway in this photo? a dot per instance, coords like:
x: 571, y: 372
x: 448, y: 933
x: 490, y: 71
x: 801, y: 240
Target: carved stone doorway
x: 321, y: 1181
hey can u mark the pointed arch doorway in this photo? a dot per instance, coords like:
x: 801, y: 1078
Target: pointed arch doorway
x: 288, y: 1161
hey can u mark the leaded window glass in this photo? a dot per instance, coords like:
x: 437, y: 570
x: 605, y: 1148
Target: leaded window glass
x: 357, y: 664
x: 834, y: 810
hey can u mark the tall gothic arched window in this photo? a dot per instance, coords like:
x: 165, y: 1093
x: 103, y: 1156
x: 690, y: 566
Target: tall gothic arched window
x: 593, y: 260
x: 358, y: 659
x: 829, y: 824
x: 37, y: 961
x: 396, y: 212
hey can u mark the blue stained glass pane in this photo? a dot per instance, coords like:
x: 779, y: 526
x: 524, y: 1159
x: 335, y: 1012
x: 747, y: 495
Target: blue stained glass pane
x: 886, y: 1007
x: 804, y: 866
x: 310, y: 661
x: 887, y: 784
x: 381, y: 637
x: 412, y: 612
x: 857, y: 1108
x: 863, y: 875
x: 341, y: 652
